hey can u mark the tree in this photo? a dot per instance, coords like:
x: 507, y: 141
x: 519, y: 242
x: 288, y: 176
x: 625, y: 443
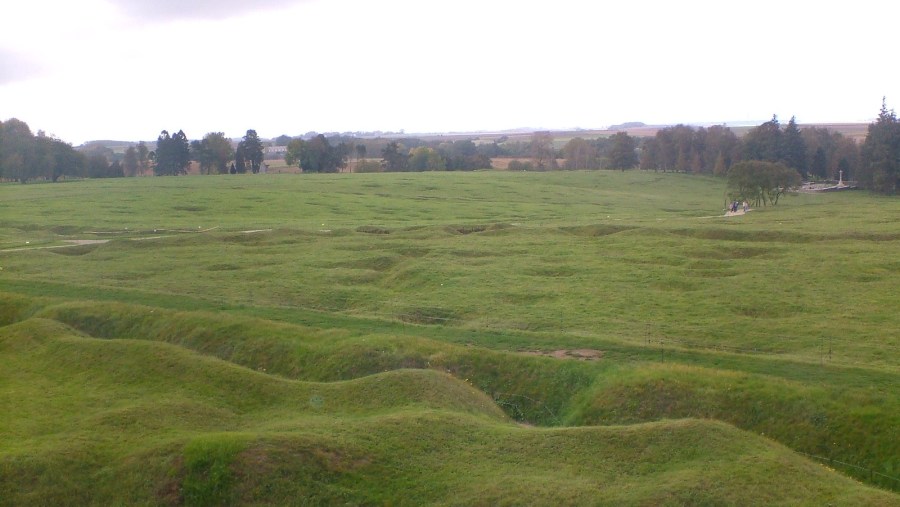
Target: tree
x: 831, y: 155
x: 722, y: 149
x: 143, y: 157
x: 580, y: 154
x: 25, y: 156
x: 17, y: 151
x: 282, y: 140
x: 425, y: 158
x: 214, y: 151
x: 360, y: 152
x: 793, y: 148
x: 880, y: 153
x: 623, y: 154
x: 650, y: 154
x: 173, y: 154
x: 845, y: 158
x: 543, y: 155
x: 294, y: 152
x: 518, y: 165
x: 240, y: 161
x: 61, y: 159
x: 130, y: 163
x: 720, y: 169
x: 341, y: 155
x: 98, y: 166
x: 115, y: 170
x: 368, y: 166
x: 819, y: 165
x: 253, y: 150
x: 463, y: 156
x: 317, y: 155
x: 764, y: 142
x: 395, y: 157
x: 761, y: 182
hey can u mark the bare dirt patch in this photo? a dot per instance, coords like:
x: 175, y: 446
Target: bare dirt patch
x: 85, y: 241
x: 576, y: 354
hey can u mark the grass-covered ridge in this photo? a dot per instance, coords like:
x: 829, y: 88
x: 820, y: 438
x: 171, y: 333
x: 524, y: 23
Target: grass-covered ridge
x: 243, y: 339
x: 123, y: 421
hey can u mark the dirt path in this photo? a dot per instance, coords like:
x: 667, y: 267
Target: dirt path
x: 79, y: 242
x: 577, y: 354
x: 71, y: 243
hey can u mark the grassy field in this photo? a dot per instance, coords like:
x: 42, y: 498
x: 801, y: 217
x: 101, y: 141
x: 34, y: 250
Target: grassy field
x: 410, y: 338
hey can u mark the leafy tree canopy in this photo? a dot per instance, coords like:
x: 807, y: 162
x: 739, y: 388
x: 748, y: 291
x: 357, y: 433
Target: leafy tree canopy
x: 761, y: 182
x: 173, y: 154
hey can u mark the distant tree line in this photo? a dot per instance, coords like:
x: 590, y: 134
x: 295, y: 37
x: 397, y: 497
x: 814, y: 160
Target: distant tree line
x: 812, y: 152
x: 26, y: 156
x: 319, y: 154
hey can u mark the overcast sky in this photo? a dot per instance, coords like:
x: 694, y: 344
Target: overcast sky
x: 126, y: 69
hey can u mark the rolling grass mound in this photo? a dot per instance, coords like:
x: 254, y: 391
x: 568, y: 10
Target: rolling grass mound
x: 107, y: 421
x: 837, y: 417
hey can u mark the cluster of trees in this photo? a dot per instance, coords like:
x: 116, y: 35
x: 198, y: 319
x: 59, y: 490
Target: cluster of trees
x: 214, y: 152
x: 438, y: 156
x: 615, y: 152
x: 687, y: 149
x: 813, y: 152
x: 26, y: 156
x: 137, y: 160
x: 174, y: 154
x: 248, y: 155
x: 317, y: 155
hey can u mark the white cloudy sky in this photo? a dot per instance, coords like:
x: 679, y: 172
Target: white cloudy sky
x: 126, y: 69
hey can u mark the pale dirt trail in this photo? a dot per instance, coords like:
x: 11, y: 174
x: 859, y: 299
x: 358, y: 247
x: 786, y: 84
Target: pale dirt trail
x: 71, y: 243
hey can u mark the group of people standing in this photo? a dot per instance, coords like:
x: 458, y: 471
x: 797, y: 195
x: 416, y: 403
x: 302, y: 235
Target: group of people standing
x: 735, y: 204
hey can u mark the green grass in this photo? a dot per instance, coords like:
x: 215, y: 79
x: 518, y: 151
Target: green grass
x: 367, y: 342
x: 122, y: 421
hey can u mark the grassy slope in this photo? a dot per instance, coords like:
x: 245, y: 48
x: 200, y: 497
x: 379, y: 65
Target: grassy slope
x: 503, y: 261
x: 110, y: 421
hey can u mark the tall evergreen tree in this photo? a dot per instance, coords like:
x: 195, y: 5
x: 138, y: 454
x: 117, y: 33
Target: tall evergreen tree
x: 253, y: 150
x: 764, y: 142
x: 880, y: 168
x: 240, y: 160
x: 395, y: 157
x: 793, y: 148
x: 819, y: 166
x: 173, y: 154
